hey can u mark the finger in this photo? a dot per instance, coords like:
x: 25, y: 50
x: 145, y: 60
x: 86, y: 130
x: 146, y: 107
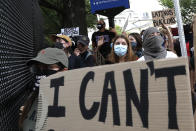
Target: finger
x: 21, y: 108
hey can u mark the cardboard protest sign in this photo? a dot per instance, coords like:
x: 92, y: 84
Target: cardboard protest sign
x: 133, y: 96
x: 166, y: 17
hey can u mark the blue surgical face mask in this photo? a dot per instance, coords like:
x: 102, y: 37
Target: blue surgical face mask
x: 120, y: 50
x: 133, y: 45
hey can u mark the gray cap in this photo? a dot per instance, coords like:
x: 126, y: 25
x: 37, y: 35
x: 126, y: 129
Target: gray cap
x: 84, y: 40
x: 50, y: 56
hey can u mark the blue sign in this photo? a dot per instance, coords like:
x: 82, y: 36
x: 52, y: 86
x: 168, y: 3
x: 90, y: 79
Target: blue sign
x: 97, y: 5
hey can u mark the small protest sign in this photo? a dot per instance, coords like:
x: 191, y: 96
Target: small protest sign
x: 166, y: 17
x: 70, y: 31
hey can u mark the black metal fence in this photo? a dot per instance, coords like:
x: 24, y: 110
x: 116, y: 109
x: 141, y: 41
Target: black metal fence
x: 20, y: 39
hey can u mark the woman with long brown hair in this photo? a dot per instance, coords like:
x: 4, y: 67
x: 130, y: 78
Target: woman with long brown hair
x: 136, y: 43
x: 121, y: 50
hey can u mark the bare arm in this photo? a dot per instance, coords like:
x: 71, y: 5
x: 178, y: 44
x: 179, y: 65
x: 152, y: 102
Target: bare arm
x: 170, y: 38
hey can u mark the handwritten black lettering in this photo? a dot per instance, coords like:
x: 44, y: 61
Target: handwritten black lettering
x: 170, y: 73
x: 109, y: 78
x: 55, y: 110
x: 87, y: 113
x: 143, y: 105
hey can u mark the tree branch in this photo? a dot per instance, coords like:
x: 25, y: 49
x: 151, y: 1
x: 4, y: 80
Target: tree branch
x: 46, y: 4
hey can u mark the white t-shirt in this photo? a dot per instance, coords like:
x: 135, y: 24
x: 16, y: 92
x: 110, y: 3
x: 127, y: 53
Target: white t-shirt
x: 170, y: 54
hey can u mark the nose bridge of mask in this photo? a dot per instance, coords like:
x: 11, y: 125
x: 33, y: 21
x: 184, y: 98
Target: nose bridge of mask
x: 118, y: 46
x: 121, y: 47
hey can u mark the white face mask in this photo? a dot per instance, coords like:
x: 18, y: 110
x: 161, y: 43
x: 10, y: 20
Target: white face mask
x: 120, y: 50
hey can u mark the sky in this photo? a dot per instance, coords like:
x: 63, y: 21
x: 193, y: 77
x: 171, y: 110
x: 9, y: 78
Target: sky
x: 145, y: 5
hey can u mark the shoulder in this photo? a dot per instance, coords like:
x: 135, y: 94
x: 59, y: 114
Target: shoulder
x: 88, y: 54
x: 95, y: 33
x: 90, y: 58
x: 113, y: 34
x: 170, y: 54
x: 110, y: 32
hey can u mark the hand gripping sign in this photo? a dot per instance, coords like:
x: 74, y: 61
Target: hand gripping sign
x: 132, y: 96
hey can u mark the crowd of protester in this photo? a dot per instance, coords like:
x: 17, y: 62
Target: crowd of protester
x: 109, y: 48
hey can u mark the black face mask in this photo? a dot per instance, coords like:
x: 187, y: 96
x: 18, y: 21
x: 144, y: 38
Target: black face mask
x: 46, y: 72
x: 58, y: 45
x: 100, y: 26
x: 35, y: 70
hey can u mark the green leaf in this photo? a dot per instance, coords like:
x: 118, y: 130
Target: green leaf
x: 188, y: 8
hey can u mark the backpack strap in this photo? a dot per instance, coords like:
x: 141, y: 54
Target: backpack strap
x: 89, y: 53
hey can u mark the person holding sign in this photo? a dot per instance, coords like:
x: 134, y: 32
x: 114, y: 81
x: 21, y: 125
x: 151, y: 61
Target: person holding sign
x: 121, y: 50
x: 168, y: 38
x: 153, y: 46
x: 49, y: 61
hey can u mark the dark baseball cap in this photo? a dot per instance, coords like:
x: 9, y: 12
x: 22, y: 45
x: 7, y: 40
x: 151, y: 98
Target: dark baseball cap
x: 50, y: 56
x: 84, y: 40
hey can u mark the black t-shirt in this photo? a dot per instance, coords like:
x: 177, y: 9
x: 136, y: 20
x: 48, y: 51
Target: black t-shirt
x: 108, y: 36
